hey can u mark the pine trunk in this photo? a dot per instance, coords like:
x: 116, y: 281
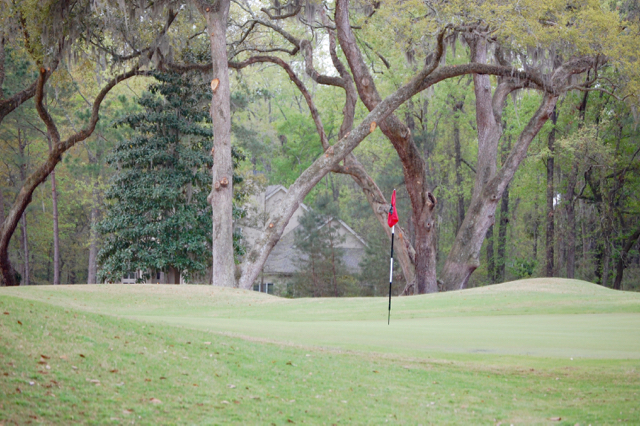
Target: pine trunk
x: 502, y: 237
x: 1, y: 206
x: 459, y: 190
x: 550, y: 240
x: 24, y: 243
x: 221, y: 197
x: 92, y: 270
x: 56, y: 234
x: 491, y: 256
x: 571, y: 221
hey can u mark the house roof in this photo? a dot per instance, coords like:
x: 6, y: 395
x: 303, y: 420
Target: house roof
x: 271, y: 190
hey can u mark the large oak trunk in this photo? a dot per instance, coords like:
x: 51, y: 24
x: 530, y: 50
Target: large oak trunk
x: 413, y: 166
x: 221, y: 197
x: 490, y: 183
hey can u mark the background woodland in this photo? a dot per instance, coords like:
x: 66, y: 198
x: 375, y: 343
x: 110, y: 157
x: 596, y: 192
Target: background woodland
x: 571, y: 208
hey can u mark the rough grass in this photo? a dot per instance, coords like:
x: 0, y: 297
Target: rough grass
x: 488, y: 355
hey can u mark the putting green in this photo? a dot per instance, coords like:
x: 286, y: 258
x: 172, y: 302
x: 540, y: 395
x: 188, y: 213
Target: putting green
x: 569, y: 336
x: 537, y: 317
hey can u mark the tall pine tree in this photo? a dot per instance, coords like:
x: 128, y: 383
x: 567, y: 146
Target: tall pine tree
x: 158, y: 217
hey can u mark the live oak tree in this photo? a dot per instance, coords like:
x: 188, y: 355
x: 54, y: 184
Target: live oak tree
x: 50, y: 29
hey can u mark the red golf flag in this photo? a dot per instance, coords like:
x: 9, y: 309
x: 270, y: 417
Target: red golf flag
x: 393, y: 213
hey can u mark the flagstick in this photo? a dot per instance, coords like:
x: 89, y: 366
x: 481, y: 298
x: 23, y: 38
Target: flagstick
x: 391, y: 274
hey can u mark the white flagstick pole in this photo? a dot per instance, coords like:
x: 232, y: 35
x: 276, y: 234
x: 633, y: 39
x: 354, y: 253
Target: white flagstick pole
x: 391, y: 273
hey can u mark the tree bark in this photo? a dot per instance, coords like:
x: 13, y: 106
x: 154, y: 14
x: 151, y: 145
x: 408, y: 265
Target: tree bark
x: 92, y: 270
x: 550, y: 239
x: 414, y: 167
x: 502, y: 236
x: 458, y: 163
x: 1, y: 205
x: 606, y: 261
x: 56, y: 233
x: 571, y: 219
x: 24, y: 243
x: 221, y: 197
x: 622, y: 262
x: 491, y: 257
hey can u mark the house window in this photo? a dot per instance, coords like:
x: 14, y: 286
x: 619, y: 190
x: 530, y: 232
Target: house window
x: 264, y: 288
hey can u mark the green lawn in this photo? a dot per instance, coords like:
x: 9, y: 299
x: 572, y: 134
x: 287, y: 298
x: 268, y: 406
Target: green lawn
x: 526, y: 352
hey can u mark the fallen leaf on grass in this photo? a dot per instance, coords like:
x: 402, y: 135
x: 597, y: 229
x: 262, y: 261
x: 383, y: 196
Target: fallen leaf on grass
x: 82, y: 356
x: 289, y: 363
x: 6, y: 313
x: 155, y: 401
x: 375, y: 371
x: 113, y: 371
x: 290, y: 421
x: 163, y: 378
x: 19, y: 322
x: 236, y: 402
x: 63, y: 357
x: 147, y: 380
x: 44, y: 356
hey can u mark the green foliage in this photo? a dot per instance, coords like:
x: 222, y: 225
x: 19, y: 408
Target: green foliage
x: 299, y: 147
x: 158, y: 217
x: 523, y: 268
x: 319, y: 258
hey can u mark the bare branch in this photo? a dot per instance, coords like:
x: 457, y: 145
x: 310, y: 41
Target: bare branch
x: 294, y: 12
x: 299, y: 84
x: 312, y: 72
x: 468, y: 165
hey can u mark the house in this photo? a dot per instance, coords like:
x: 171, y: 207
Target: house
x: 281, y: 264
x: 173, y: 276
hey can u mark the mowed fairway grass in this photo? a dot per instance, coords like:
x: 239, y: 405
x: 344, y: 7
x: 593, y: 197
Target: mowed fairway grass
x: 541, y: 351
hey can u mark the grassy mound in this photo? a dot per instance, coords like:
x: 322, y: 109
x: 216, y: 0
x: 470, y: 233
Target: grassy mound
x: 520, y: 352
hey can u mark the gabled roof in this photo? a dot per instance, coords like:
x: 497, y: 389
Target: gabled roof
x: 271, y: 190
x: 274, y: 189
x: 347, y: 227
